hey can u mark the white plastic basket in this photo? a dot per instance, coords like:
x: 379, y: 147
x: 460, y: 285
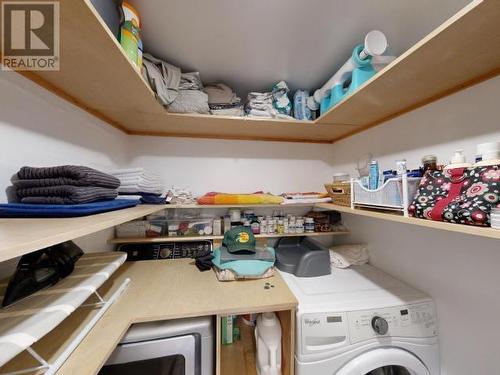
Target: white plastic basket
x: 394, y: 194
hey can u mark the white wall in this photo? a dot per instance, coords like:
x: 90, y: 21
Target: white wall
x: 233, y: 166
x: 39, y: 129
x: 460, y: 272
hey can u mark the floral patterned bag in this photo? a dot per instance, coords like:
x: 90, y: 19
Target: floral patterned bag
x: 460, y: 195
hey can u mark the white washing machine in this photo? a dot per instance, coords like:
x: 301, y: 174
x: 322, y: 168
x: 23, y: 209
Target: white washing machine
x: 360, y: 321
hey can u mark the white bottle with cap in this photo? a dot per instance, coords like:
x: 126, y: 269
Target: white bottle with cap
x: 458, y: 161
x: 487, y: 154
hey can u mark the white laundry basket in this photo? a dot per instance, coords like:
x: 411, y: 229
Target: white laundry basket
x: 394, y: 194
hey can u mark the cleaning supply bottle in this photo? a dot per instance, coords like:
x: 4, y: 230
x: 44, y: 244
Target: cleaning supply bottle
x: 373, y: 176
x: 268, y: 343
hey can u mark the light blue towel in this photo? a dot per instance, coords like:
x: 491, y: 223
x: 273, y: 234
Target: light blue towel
x: 244, y: 268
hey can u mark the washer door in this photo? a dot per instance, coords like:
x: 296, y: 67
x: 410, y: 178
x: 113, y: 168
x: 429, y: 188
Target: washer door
x: 385, y: 361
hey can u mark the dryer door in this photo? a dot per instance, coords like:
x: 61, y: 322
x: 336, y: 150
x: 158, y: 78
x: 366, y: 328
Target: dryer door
x: 385, y: 361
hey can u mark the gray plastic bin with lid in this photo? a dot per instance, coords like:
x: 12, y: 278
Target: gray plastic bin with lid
x: 303, y: 257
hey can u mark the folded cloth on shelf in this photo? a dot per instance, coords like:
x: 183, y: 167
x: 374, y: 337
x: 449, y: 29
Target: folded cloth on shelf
x: 180, y: 92
x: 177, y: 195
x: 224, y: 198
x: 65, y: 194
x: 136, y: 197
x: 153, y: 199
x: 163, y: 78
x: 75, y: 175
x: 13, y: 210
x: 235, y: 111
x: 307, y: 200
x: 224, y: 106
x: 242, y: 269
x: 191, y: 81
x: 344, y: 256
x: 308, y: 197
x: 274, y: 104
x: 190, y: 101
x: 219, y: 93
x: 138, y: 181
x: 140, y: 189
x: 145, y: 198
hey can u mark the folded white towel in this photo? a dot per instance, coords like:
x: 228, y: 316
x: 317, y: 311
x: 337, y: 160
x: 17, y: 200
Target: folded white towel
x: 344, y: 256
x: 126, y: 171
x: 138, y: 180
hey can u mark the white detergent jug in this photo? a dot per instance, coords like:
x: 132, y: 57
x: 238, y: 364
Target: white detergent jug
x: 268, y: 342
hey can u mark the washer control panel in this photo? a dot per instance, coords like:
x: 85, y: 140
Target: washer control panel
x: 417, y: 320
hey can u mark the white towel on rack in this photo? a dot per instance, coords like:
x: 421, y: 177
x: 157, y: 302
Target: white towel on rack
x: 344, y: 256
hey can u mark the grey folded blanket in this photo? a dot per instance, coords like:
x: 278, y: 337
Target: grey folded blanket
x: 65, y: 194
x: 75, y: 175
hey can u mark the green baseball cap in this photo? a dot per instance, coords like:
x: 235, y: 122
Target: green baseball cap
x: 239, y: 239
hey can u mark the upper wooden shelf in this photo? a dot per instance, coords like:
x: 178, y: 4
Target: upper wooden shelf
x: 22, y: 236
x: 97, y: 76
x: 465, y: 229
x: 456, y: 55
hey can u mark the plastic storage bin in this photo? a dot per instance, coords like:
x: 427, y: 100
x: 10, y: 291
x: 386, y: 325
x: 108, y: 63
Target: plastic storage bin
x: 190, y: 227
x: 142, y: 228
x: 394, y: 194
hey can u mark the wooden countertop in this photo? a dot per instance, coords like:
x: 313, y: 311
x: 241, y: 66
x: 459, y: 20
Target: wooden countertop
x: 161, y: 290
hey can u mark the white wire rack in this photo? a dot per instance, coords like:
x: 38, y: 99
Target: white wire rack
x: 28, y: 320
x: 394, y: 194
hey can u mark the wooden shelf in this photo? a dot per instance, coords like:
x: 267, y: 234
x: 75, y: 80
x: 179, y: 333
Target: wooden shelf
x: 201, y: 238
x: 217, y: 206
x: 454, y: 56
x: 96, y: 75
x: 22, y: 236
x: 465, y: 229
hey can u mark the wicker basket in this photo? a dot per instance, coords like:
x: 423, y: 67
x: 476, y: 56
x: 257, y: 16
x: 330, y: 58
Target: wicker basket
x: 340, y: 192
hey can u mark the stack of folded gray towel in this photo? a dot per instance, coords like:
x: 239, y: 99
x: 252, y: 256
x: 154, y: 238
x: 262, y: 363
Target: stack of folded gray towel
x: 65, y: 184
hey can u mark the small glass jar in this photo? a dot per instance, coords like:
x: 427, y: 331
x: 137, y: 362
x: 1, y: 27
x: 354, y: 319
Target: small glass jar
x: 309, y: 225
x: 280, y: 228
x: 255, y: 225
x: 430, y: 163
x: 263, y: 226
x: 271, y: 226
x: 299, y: 226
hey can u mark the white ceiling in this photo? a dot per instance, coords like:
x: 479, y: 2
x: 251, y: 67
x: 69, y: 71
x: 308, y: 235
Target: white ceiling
x: 251, y: 44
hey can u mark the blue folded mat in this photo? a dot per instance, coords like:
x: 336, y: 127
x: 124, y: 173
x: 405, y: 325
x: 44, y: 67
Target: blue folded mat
x: 64, y: 210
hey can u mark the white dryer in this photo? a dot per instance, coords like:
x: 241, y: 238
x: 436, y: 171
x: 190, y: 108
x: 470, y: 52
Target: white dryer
x: 361, y: 321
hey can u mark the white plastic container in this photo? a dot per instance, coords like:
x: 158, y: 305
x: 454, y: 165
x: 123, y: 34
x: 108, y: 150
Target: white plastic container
x: 268, y: 342
x: 489, y: 150
x: 495, y: 218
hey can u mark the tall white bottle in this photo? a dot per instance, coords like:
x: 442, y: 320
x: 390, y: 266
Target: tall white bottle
x: 268, y: 342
